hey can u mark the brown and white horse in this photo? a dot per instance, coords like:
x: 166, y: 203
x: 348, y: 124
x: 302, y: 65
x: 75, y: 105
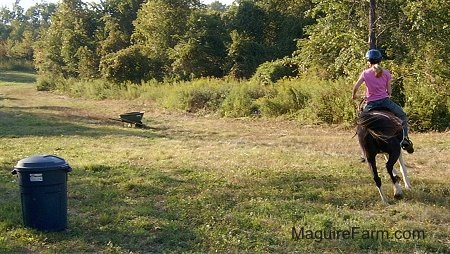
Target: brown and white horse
x: 381, y: 132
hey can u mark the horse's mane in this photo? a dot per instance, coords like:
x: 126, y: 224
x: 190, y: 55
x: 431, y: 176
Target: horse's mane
x: 380, y: 124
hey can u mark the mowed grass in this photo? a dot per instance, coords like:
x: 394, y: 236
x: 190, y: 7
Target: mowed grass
x: 15, y: 77
x: 206, y: 184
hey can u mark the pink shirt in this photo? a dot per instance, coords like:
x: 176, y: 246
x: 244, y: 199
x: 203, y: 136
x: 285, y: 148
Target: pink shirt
x: 376, y: 88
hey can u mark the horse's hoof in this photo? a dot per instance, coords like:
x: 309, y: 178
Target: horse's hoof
x: 398, y: 196
x: 385, y: 202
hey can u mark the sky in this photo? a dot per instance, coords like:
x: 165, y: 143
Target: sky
x: 27, y: 3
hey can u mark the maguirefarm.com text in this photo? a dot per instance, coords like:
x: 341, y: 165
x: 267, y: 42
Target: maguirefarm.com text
x: 355, y: 233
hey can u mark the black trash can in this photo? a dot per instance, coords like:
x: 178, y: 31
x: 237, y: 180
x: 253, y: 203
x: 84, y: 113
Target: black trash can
x: 43, y: 188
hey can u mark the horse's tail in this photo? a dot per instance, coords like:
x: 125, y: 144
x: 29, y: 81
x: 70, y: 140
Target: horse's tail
x: 380, y: 124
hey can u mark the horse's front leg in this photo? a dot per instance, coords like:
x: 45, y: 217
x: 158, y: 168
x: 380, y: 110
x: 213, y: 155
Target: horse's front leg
x: 398, y: 193
x: 373, y: 168
x: 403, y: 169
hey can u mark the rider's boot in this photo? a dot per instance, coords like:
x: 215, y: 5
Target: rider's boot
x: 407, y: 145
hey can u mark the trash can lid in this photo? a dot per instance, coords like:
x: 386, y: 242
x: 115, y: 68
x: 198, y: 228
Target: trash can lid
x: 44, y: 162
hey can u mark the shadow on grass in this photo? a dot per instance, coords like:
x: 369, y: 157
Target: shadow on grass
x: 17, y: 77
x: 128, y: 217
x: 10, y: 210
x: 105, y: 214
x: 19, y: 122
x: 126, y: 209
x: 429, y: 192
x: 334, y: 199
x: 338, y: 191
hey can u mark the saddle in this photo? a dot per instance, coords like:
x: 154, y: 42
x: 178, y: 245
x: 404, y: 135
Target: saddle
x: 379, y: 111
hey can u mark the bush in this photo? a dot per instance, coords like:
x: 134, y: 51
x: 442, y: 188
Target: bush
x: 130, y: 64
x: 199, y: 95
x: 330, y: 101
x: 47, y: 83
x: 241, y: 101
x: 308, y: 99
x: 428, y: 106
x: 284, y: 98
x: 17, y: 65
x: 270, y: 72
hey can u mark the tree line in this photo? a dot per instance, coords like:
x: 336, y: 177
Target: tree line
x: 153, y: 39
x: 266, y: 40
x: 138, y: 40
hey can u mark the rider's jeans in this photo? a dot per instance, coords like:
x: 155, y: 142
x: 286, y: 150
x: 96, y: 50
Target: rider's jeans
x: 393, y: 107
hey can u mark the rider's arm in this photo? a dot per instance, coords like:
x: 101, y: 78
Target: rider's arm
x: 389, y: 87
x: 356, y: 87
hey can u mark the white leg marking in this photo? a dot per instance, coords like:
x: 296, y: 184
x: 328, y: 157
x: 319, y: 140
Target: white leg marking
x: 398, y: 193
x: 394, y: 172
x: 404, y: 171
x: 383, y: 197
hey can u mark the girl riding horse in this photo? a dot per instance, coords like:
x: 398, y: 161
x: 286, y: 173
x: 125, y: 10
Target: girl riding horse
x: 378, y: 93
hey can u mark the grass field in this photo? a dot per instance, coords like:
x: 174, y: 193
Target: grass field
x: 212, y: 185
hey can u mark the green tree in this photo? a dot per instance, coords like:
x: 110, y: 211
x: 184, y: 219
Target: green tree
x: 124, y: 12
x: 112, y: 38
x: 202, y: 50
x: 130, y: 64
x: 70, y: 37
x: 269, y: 30
x: 413, y: 36
x: 160, y: 25
x: 217, y: 6
x: 246, y: 23
x: 336, y: 43
x: 244, y: 55
x: 39, y: 15
x: 118, y: 26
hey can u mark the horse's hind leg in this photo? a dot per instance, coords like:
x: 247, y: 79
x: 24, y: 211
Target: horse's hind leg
x: 404, y: 171
x: 398, y: 193
x: 373, y: 168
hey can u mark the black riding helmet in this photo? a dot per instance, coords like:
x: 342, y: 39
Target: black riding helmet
x: 373, y: 56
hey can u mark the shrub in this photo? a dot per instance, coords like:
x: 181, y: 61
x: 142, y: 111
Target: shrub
x: 398, y: 92
x: 273, y: 71
x: 308, y: 99
x: 284, y: 98
x: 241, y: 101
x: 324, y: 101
x: 428, y: 105
x: 130, y: 64
x: 47, y: 83
x: 198, y: 95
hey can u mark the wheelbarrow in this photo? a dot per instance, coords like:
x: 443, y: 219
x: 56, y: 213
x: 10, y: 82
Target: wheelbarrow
x: 131, y: 119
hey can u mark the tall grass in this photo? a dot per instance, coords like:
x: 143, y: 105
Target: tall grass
x: 307, y: 99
